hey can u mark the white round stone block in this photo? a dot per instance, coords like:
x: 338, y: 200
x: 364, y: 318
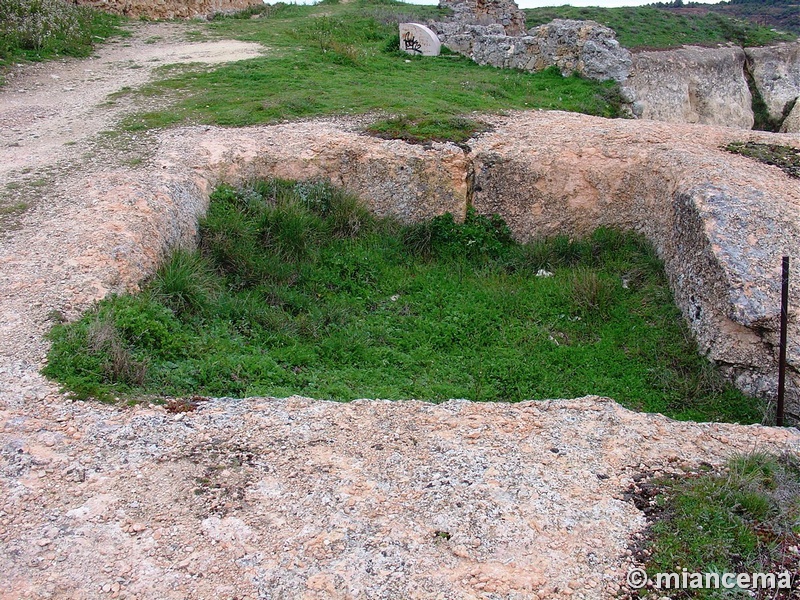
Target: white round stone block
x: 418, y: 39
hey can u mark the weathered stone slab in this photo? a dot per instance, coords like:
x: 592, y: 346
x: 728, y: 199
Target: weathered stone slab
x: 776, y: 72
x: 692, y: 85
x: 418, y: 39
x: 792, y: 122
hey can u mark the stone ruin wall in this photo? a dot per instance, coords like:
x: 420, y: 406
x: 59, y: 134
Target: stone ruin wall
x: 687, y: 85
x: 583, y: 47
x: 493, y: 32
x: 169, y: 9
x: 505, y: 13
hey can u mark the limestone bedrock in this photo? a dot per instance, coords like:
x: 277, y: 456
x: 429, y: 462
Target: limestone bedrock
x: 720, y: 222
x: 776, y: 73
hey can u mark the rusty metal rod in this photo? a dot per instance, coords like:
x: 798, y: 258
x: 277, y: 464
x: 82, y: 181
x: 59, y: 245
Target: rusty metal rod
x: 782, y: 352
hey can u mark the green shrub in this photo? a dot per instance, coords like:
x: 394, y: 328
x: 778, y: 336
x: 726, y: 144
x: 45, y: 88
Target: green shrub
x: 37, y: 29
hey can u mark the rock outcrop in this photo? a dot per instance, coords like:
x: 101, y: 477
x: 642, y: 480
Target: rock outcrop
x: 692, y: 85
x: 791, y: 124
x: 582, y: 47
x: 776, y: 73
x: 505, y: 13
x: 169, y: 9
x: 720, y: 222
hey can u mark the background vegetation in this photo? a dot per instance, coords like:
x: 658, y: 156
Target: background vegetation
x: 297, y: 289
x: 780, y: 14
x: 41, y: 29
x: 344, y: 59
x: 647, y: 27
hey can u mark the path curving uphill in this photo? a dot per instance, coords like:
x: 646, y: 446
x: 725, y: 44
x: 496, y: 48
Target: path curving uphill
x: 300, y: 498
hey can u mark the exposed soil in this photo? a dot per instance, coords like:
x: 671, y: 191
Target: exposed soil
x: 52, y: 113
x: 266, y: 498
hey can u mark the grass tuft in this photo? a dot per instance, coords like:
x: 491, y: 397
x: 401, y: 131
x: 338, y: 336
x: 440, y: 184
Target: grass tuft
x: 742, y: 519
x: 592, y: 295
x: 185, y: 283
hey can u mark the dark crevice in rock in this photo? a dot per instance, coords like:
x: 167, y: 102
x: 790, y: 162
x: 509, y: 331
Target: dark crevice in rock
x: 469, y: 178
x: 763, y: 121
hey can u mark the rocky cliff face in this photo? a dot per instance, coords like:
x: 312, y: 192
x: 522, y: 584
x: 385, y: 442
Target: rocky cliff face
x: 791, y: 123
x: 692, y: 85
x: 583, y: 47
x: 169, y: 9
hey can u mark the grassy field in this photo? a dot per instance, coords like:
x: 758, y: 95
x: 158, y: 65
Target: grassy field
x: 343, y: 59
x: 648, y: 27
x: 297, y: 289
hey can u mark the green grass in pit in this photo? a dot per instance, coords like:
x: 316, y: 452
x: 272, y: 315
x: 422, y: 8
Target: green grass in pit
x: 647, y: 27
x: 342, y: 59
x: 742, y: 519
x: 417, y: 131
x: 297, y: 289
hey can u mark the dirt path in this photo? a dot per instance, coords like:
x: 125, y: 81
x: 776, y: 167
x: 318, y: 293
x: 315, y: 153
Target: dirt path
x: 49, y: 112
x: 265, y: 498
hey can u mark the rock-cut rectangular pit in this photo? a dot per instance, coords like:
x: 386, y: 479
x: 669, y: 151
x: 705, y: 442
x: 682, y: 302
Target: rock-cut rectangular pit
x: 720, y: 222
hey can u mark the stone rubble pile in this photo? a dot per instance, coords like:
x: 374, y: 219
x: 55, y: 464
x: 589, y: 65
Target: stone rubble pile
x: 583, y: 47
x: 505, y: 13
